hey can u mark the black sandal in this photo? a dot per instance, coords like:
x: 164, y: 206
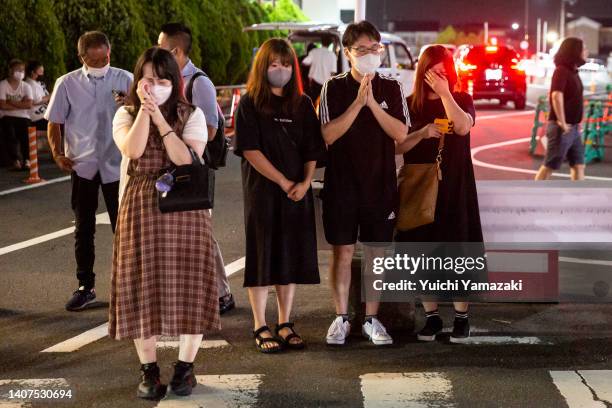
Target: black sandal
x: 286, y: 341
x: 260, y: 341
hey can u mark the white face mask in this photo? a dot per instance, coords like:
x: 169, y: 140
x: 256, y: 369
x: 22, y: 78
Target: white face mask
x: 367, y: 64
x: 98, y: 72
x: 19, y: 75
x: 161, y: 93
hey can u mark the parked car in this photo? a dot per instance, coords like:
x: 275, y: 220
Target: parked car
x: 492, y: 72
x: 397, y: 61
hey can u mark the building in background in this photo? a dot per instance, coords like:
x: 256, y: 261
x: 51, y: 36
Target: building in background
x: 595, y: 32
x: 587, y: 30
x: 333, y: 11
x: 415, y: 33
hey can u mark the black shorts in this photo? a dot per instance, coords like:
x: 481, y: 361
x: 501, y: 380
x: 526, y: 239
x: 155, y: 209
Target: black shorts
x: 344, y: 222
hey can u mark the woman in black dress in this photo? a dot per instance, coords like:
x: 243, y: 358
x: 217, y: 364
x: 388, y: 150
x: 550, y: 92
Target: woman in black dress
x: 456, y: 217
x: 278, y: 137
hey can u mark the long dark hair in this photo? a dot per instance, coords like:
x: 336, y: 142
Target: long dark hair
x: 258, y: 86
x: 570, y: 53
x: 431, y: 56
x: 165, y: 67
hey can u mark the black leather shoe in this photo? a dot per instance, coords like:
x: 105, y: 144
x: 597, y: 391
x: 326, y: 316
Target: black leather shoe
x: 150, y: 387
x: 226, y: 303
x: 183, y: 379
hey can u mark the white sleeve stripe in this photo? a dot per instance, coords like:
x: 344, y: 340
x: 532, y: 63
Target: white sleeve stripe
x: 323, y: 109
x: 404, y: 104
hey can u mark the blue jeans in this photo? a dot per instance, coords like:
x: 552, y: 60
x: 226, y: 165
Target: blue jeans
x: 563, y: 145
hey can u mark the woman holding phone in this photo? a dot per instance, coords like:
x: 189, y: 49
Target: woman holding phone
x: 163, y: 276
x: 457, y: 218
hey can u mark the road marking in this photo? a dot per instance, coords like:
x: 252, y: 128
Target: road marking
x: 503, y: 115
x: 35, y: 241
x: 406, y: 390
x: 235, y: 266
x: 101, y: 218
x: 505, y: 340
x: 79, y: 341
x: 206, y: 344
x: 479, y: 149
x: 219, y: 391
x: 31, y: 186
x: 473, y: 329
x: 584, y: 388
x: 53, y: 384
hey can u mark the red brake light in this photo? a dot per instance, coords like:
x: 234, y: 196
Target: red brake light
x: 491, y: 48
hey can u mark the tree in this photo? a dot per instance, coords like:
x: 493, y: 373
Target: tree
x: 48, y: 30
x: 31, y: 31
x: 447, y: 36
x: 118, y: 19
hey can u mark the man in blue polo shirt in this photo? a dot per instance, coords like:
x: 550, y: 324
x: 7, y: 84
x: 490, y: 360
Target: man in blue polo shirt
x: 84, y: 101
x: 176, y: 38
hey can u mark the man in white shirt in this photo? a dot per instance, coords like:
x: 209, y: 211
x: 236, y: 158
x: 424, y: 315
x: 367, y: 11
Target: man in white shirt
x: 323, y: 64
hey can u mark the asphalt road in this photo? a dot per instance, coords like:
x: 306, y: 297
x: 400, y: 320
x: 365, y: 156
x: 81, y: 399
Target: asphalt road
x: 523, y: 355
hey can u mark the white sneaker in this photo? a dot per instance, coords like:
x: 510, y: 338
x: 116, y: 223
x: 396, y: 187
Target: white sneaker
x: 376, y: 332
x: 338, y: 331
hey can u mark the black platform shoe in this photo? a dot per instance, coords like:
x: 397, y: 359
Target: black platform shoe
x: 150, y: 386
x: 183, y: 379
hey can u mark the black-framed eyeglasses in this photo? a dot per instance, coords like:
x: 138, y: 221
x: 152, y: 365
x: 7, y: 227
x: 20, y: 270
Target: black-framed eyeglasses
x: 375, y: 49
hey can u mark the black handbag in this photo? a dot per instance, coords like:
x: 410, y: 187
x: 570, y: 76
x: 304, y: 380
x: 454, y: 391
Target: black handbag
x: 193, y: 187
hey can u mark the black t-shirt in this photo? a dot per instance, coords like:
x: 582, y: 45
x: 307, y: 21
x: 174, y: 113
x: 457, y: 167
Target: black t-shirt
x: 567, y: 80
x: 361, y: 163
x: 288, y: 140
x: 427, y: 149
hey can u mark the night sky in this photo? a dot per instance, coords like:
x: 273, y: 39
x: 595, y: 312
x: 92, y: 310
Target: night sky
x: 501, y: 12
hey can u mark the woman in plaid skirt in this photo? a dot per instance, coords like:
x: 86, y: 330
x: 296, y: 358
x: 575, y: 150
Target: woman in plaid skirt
x: 163, y: 277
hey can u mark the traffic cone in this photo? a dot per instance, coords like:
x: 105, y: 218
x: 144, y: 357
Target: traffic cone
x: 34, y: 177
x: 235, y: 102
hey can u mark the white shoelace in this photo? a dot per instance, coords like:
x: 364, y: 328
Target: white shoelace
x: 378, y: 329
x: 336, y: 328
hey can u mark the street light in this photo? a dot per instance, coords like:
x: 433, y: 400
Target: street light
x: 515, y: 26
x: 552, y: 36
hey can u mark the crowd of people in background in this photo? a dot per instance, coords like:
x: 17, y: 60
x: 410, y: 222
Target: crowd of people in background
x: 114, y: 131
x: 23, y: 100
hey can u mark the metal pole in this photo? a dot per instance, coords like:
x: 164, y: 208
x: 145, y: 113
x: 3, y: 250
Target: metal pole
x: 545, y: 36
x: 360, y: 10
x: 539, y: 36
x: 562, y: 22
x: 526, y: 25
x: 486, y: 32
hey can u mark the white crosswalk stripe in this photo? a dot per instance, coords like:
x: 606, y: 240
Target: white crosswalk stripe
x: 579, y: 389
x: 79, y: 341
x: 584, y: 388
x: 173, y: 342
x: 406, y: 390
x: 219, y: 391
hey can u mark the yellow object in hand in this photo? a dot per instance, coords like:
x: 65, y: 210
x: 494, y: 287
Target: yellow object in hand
x: 444, y: 125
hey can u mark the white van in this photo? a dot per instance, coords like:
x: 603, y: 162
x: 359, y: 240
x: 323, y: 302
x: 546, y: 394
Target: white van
x: 397, y: 61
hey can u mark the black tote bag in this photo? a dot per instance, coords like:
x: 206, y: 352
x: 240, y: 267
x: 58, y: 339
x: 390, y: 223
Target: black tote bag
x: 193, y: 188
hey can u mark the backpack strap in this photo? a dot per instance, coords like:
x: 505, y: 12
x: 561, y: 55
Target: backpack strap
x: 189, y: 89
